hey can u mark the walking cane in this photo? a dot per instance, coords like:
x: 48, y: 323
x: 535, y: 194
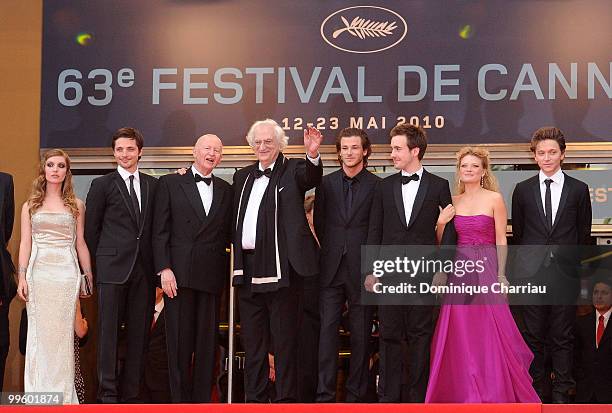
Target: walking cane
x: 230, y: 338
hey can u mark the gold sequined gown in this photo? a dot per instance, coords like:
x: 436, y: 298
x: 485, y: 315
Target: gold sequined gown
x: 53, y: 279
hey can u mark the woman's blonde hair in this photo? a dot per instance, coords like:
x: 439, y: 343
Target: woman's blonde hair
x: 488, y: 181
x: 39, y: 186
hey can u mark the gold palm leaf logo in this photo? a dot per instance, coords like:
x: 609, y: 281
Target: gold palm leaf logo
x: 363, y: 28
x: 370, y: 29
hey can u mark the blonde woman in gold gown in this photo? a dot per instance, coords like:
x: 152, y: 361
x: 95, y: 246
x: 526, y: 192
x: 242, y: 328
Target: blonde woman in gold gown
x: 51, y: 248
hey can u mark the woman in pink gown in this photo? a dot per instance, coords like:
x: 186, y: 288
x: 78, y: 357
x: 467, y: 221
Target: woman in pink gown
x: 478, y: 354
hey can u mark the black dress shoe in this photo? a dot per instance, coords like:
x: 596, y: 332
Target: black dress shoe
x: 560, y: 399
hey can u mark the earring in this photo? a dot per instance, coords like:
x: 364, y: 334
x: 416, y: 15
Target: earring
x: 482, y: 181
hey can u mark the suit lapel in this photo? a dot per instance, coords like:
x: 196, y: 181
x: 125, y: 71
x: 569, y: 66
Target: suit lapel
x: 246, y: 187
x: 218, y: 195
x: 364, y: 188
x: 193, y: 196
x: 144, y: 200
x: 606, y: 335
x: 562, y: 201
x: 399, y: 200
x: 537, y: 194
x: 120, y: 183
x: 420, y: 197
x: 338, y: 186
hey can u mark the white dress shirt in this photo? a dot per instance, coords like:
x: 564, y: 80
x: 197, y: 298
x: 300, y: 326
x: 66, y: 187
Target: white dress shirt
x: 125, y: 175
x: 556, y: 187
x: 249, y: 225
x: 206, y: 191
x: 158, y: 309
x: 409, y: 192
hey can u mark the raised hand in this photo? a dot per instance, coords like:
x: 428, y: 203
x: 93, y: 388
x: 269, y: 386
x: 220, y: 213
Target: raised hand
x: 312, y: 141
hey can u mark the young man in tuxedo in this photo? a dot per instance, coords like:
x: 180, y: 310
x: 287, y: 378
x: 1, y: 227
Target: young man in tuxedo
x: 273, y: 249
x: 551, y: 209
x: 118, y: 222
x: 405, y: 211
x: 341, y: 216
x: 593, y: 348
x: 7, y: 282
x: 191, y: 232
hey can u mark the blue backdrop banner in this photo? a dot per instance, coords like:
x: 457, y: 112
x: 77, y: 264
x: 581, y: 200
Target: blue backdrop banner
x: 468, y: 71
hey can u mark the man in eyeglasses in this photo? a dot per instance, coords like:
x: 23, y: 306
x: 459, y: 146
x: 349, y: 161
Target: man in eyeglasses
x: 273, y: 249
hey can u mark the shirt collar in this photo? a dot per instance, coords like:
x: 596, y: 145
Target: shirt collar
x: 606, y: 314
x: 271, y: 167
x: 556, y: 178
x: 195, y: 171
x: 125, y: 174
x: 356, y: 177
x: 419, y: 172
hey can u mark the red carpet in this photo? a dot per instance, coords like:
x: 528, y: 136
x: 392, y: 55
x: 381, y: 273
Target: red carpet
x: 320, y: 408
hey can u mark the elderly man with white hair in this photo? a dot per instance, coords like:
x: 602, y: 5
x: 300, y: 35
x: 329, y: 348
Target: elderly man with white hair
x: 273, y: 249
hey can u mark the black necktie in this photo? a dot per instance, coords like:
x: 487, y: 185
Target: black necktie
x: 259, y: 173
x: 548, y: 203
x: 134, y: 199
x: 200, y: 178
x: 406, y: 179
x: 348, y: 198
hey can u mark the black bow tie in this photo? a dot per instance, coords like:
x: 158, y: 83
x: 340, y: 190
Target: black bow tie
x: 406, y: 179
x: 200, y: 178
x: 259, y: 173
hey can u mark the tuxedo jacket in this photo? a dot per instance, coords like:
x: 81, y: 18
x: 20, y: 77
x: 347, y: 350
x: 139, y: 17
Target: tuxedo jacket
x: 186, y: 239
x: 388, y: 224
x: 340, y: 232
x: 572, y: 224
x: 299, y: 176
x: 113, y: 237
x: 593, y: 365
x: 7, y: 216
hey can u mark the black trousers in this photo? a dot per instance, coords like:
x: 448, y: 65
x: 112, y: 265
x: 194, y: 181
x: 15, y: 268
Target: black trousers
x: 131, y: 303
x: 332, y: 300
x: 5, y: 337
x: 269, y: 320
x: 549, y: 330
x: 308, y: 341
x: 415, y: 325
x: 191, y: 331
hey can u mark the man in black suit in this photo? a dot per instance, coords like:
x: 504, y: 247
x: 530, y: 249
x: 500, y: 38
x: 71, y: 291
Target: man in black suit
x: 551, y: 209
x: 273, y: 249
x: 593, y: 348
x: 192, y: 229
x: 342, y: 213
x: 405, y: 211
x: 118, y: 222
x: 7, y: 281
